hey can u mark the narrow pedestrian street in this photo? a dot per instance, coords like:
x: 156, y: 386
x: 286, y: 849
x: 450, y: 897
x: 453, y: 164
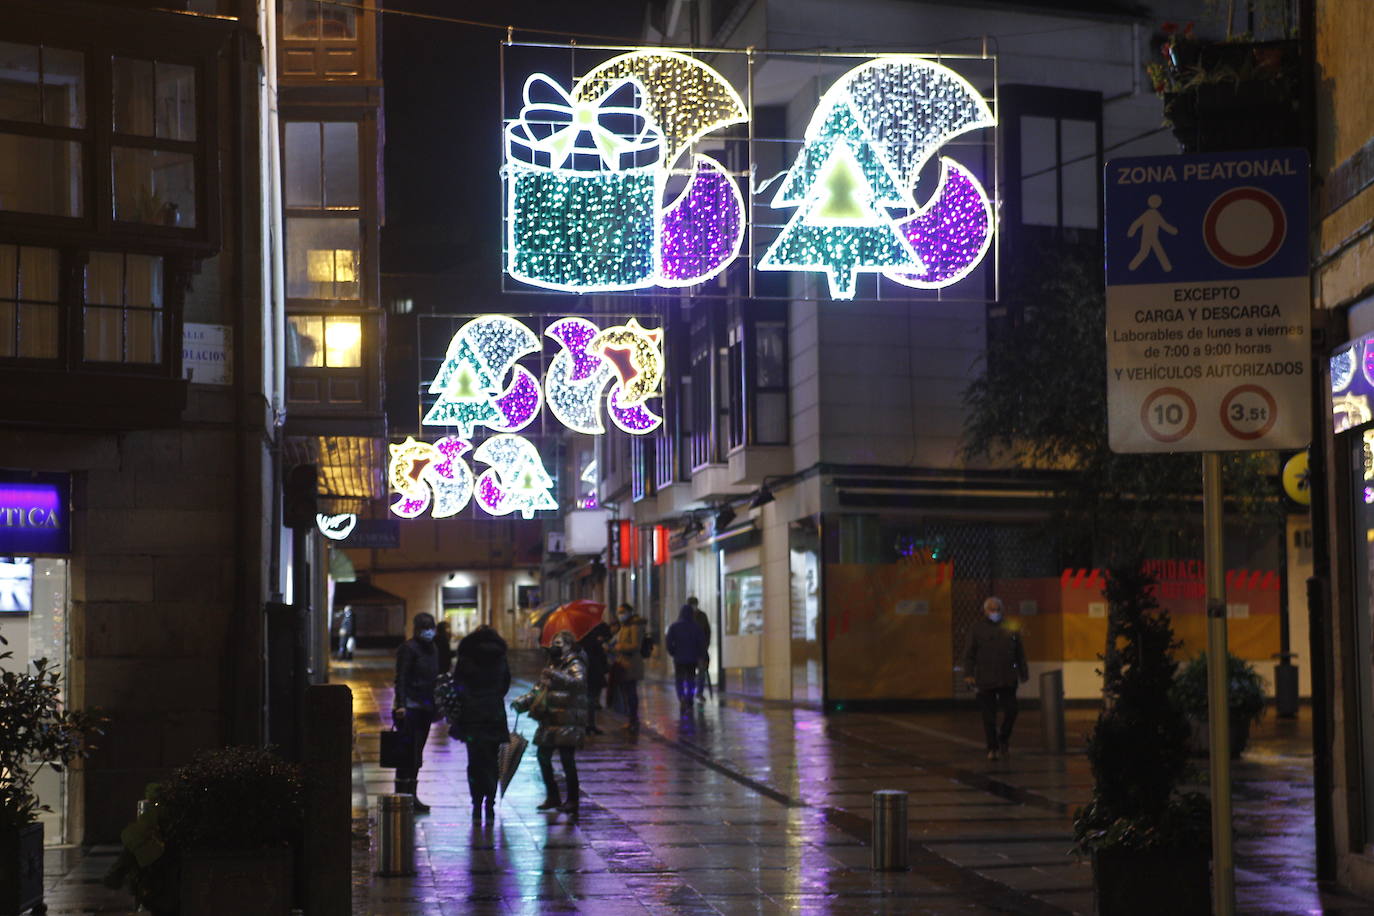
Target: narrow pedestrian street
x: 755, y: 807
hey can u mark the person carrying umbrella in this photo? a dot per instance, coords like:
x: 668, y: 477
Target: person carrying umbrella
x: 559, y: 704
x: 482, y: 678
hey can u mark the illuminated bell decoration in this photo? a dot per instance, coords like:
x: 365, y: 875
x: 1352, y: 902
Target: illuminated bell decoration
x: 872, y: 132
x: 516, y: 480
x: 585, y: 172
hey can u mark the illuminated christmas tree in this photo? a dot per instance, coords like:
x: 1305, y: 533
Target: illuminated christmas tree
x: 842, y: 187
x: 516, y: 480
x: 467, y: 391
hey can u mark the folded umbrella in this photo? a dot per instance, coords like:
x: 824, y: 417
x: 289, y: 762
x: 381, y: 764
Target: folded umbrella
x: 508, y: 757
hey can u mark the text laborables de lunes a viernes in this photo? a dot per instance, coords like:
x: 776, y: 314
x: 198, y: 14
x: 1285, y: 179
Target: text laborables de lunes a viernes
x: 1210, y: 342
x: 1203, y: 171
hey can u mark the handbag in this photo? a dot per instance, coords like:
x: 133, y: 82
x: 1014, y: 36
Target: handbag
x: 448, y: 698
x: 396, y: 750
x: 539, y: 706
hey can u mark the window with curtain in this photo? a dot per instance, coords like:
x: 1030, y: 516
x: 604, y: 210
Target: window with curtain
x: 122, y: 317
x: 30, y: 305
x: 153, y: 157
x: 324, y: 341
x: 308, y: 20
x: 323, y: 200
x: 43, y: 96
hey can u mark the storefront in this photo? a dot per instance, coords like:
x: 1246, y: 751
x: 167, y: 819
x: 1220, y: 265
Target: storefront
x: 35, y: 542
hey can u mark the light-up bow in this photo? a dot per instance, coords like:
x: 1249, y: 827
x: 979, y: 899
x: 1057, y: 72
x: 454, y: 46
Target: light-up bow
x: 553, y: 122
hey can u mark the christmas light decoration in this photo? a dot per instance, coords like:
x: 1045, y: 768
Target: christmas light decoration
x: 426, y: 476
x: 589, y: 360
x: 409, y: 460
x: 1343, y: 370
x: 336, y: 527
x: 872, y: 132
x: 450, y: 478
x: 516, y: 480
x: 468, y: 383
x: 585, y: 172
x: 589, y: 477
x: 1349, y: 411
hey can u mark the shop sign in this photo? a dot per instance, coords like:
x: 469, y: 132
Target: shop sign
x: 35, y: 516
x: 379, y: 533
x: 622, y: 544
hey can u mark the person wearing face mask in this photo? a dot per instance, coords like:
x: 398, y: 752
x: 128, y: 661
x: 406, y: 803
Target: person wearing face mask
x: 558, y: 703
x: 629, y: 640
x: 994, y: 664
x: 417, y: 668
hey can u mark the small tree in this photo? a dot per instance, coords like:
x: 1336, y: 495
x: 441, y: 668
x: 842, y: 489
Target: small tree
x: 1138, y: 748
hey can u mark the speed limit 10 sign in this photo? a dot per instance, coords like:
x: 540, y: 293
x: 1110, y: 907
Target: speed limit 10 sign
x: 1208, y: 305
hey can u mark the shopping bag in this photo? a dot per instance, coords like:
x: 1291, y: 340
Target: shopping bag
x: 508, y: 757
x: 397, y: 748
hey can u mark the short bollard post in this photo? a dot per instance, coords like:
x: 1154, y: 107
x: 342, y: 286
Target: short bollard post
x: 1052, y: 710
x: 889, y: 830
x: 395, y: 835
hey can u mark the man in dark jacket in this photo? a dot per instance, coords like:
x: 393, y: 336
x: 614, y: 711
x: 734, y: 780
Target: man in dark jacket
x: 704, y: 664
x: 417, y: 668
x: 593, y: 645
x: 559, y: 704
x: 686, y: 644
x: 481, y: 677
x: 994, y: 664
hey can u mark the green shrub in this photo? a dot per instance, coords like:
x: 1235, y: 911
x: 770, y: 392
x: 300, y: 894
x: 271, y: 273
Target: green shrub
x: 1245, y: 690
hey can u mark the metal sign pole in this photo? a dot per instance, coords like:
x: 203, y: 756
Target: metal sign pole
x: 1218, y: 673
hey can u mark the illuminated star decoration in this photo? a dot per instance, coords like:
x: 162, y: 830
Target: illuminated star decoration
x: 872, y: 132
x: 516, y: 480
x: 468, y: 383
x: 585, y: 172
x: 336, y: 527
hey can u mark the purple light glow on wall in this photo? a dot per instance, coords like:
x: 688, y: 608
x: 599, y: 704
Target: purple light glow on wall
x: 952, y: 233
x: 33, y: 518
x: 702, y: 232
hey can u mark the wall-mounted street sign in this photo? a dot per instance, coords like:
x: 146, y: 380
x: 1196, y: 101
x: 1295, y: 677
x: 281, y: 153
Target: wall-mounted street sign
x: 1208, y: 304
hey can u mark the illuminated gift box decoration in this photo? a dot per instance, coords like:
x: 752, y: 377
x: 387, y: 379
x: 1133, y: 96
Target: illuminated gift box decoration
x: 585, y: 173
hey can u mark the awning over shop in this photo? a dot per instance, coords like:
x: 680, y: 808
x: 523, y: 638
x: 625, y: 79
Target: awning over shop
x: 351, y: 469
x: 360, y: 592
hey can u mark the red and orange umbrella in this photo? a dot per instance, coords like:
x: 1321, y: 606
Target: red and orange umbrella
x: 578, y: 617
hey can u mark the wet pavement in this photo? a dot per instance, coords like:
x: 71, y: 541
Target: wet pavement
x: 755, y: 807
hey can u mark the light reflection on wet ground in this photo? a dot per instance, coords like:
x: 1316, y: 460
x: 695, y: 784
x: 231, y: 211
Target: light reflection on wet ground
x: 750, y: 807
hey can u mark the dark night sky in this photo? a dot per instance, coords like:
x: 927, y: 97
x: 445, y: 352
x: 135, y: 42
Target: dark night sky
x: 443, y: 124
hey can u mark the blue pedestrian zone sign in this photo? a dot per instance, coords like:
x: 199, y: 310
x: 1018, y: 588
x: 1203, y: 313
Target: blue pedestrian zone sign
x: 1208, y: 302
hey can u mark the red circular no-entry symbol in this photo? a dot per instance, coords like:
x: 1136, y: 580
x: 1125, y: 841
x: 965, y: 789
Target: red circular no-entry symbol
x: 1236, y: 231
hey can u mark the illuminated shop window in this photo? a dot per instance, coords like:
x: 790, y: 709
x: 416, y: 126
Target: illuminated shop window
x: 322, y: 258
x: 324, y: 341
x: 122, y: 318
x: 30, y: 314
x: 153, y: 162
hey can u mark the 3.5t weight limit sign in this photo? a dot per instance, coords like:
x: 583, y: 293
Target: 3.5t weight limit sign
x: 1208, y: 311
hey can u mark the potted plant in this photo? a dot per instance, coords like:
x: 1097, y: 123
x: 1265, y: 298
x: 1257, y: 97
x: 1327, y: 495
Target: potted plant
x: 217, y: 838
x: 1245, y: 694
x: 1148, y: 841
x: 1232, y: 94
x: 36, y: 731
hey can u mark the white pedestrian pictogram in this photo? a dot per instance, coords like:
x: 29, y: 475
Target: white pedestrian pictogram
x: 1148, y: 225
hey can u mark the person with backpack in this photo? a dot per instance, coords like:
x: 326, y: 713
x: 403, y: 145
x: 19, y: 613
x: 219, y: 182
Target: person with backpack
x: 481, y: 678
x: 686, y: 644
x: 994, y: 665
x: 628, y: 651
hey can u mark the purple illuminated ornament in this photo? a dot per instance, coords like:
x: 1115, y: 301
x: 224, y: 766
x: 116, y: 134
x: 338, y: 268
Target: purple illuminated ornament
x: 490, y: 494
x: 703, y: 228
x: 952, y: 233
x: 636, y: 419
x: 574, y: 334
x: 520, y: 403
x: 411, y: 508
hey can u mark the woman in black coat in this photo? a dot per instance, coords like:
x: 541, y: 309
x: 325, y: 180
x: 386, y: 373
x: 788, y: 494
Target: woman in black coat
x: 482, y: 678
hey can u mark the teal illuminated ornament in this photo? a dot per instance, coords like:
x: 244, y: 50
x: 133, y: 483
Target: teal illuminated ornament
x: 840, y: 226
x: 466, y: 388
x: 516, y: 480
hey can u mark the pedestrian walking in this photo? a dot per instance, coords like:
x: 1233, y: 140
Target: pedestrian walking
x: 443, y: 644
x: 593, y: 645
x: 704, y: 663
x: 417, y: 668
x: 559, y: 704
x: 686, y: 644
x: 994, y: 665
x: 481, y: 677
x: 347, y: 628
x: 629, y: 660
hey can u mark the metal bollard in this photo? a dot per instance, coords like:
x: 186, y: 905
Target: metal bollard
x: 395, y: 835
x: 1052, y: 711
x: 889, y: 830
